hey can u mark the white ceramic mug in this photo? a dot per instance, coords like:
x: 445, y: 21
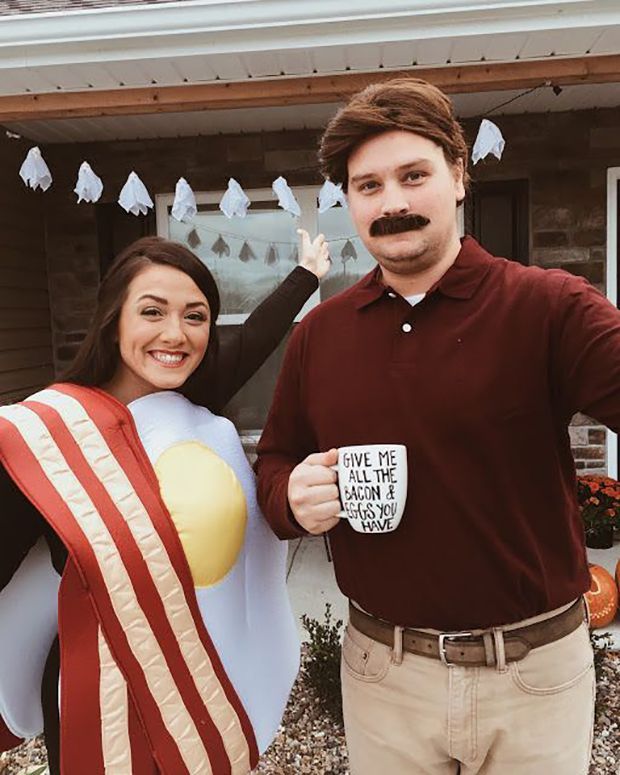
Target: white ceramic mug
x: 372, y: 480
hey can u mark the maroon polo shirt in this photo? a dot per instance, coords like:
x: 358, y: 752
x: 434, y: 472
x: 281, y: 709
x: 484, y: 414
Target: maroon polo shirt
x: 479, y: 381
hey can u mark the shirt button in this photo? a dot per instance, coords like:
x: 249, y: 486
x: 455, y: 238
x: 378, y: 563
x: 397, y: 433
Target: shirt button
x: 407, y: 327
x: 391, y: 295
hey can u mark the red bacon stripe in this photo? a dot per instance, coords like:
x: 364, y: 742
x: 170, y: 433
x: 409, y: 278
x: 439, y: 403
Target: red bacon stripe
x: 133, y: 560
x: 134, y: 460
x: 25, y: 469
x: 141, y: 758
x: 80, y: 733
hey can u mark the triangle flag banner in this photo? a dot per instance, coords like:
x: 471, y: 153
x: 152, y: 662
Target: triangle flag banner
x: 246, y: 253
x: 348, y: 252
x: 220, y: 247
x: 193, y: 239
x: 271, y: 257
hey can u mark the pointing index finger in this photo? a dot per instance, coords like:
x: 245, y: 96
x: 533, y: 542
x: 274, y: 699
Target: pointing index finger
x: 305, y: 237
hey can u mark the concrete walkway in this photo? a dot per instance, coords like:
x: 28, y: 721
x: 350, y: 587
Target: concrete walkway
x: 312, y: 582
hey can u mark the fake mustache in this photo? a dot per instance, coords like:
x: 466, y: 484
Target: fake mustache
x: 397, y: 224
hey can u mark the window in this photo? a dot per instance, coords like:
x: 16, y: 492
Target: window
x: 250, y: 256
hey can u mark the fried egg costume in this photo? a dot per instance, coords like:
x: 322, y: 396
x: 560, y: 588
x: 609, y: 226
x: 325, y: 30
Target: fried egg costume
x: 178, y: 645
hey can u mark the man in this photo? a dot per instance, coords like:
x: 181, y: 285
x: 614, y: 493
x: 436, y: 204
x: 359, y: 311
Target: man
x: 466, y: 648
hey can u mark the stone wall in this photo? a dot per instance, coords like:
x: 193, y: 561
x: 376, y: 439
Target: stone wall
x: 564, y: 157
x: 588, y: 441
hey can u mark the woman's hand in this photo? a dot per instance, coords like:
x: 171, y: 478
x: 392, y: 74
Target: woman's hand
x: 314, y: 256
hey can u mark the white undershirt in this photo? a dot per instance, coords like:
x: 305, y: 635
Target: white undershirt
x: 416, y: 298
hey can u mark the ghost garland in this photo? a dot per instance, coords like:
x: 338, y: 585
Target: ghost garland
x: 135, y: 198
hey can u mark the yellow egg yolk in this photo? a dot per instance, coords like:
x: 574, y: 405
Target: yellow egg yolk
x: 207, y: 505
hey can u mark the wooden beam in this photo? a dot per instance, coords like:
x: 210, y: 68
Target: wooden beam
x: 251, y: 93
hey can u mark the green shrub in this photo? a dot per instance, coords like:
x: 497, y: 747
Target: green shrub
x: 322, y: 664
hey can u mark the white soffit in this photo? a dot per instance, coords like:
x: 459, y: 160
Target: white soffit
x: 197, y: 41
x: 247, y: 120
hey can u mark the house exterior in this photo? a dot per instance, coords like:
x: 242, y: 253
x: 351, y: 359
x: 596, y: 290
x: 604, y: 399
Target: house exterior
x: 210, y: 90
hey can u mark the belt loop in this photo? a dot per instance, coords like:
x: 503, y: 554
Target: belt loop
x: 397, y: 650
x: 489, y: 651
x: 586, y: 609
x: 500, y: 651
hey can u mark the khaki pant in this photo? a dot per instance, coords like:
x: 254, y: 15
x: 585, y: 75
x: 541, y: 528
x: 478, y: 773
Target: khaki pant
x: 411, y: 715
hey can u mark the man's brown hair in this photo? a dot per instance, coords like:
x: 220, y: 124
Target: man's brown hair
x: 410, y: 104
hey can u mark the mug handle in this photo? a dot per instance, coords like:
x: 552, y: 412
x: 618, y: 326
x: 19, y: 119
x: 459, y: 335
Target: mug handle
x: 342, y: 514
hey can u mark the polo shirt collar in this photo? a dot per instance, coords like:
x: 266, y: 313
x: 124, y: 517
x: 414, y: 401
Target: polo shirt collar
x: 461, y: 281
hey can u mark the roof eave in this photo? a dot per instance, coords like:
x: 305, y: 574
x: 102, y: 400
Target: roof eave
x: 212, y: 26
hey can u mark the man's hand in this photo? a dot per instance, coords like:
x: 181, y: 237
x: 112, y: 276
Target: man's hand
x: 313, y: 492
x: 314, y: 256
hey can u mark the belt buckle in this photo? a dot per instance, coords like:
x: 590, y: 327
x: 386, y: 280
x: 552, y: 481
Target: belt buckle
x: 442, y: 644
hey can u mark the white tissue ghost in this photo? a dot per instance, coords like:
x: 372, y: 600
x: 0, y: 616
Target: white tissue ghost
x: 286, y: 198
x: 235, y: 201
x: 330, y: 195
x: 134, y: 198
x: 89, y: 186
x: 184, y: 207
x: 34, y: 171
x: 489, y: 140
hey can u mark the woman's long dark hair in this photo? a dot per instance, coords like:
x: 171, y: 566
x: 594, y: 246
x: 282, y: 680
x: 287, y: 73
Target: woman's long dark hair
x: 97, y: 359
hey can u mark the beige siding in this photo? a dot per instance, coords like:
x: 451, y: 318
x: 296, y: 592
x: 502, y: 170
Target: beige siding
x: 25, y: 326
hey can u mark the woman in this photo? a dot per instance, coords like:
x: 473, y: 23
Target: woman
x: 177, y: 645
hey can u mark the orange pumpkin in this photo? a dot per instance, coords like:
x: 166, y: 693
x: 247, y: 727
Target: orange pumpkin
x: 618, y: 574
x: 602, y: 597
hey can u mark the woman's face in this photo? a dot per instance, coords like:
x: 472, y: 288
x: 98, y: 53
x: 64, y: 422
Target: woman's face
x: 163, y: 333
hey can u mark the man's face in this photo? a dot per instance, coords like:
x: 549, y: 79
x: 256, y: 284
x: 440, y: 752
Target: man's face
x: 402, y: 196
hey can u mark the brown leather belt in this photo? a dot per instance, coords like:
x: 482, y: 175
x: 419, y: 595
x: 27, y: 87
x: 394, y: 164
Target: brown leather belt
x: 466, y: 649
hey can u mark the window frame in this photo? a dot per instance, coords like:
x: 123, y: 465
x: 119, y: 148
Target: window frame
x: 612, y: 260
x: 307, y: 196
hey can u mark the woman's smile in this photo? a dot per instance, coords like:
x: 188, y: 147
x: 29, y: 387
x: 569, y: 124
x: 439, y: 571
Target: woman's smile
x: 170, y: 360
